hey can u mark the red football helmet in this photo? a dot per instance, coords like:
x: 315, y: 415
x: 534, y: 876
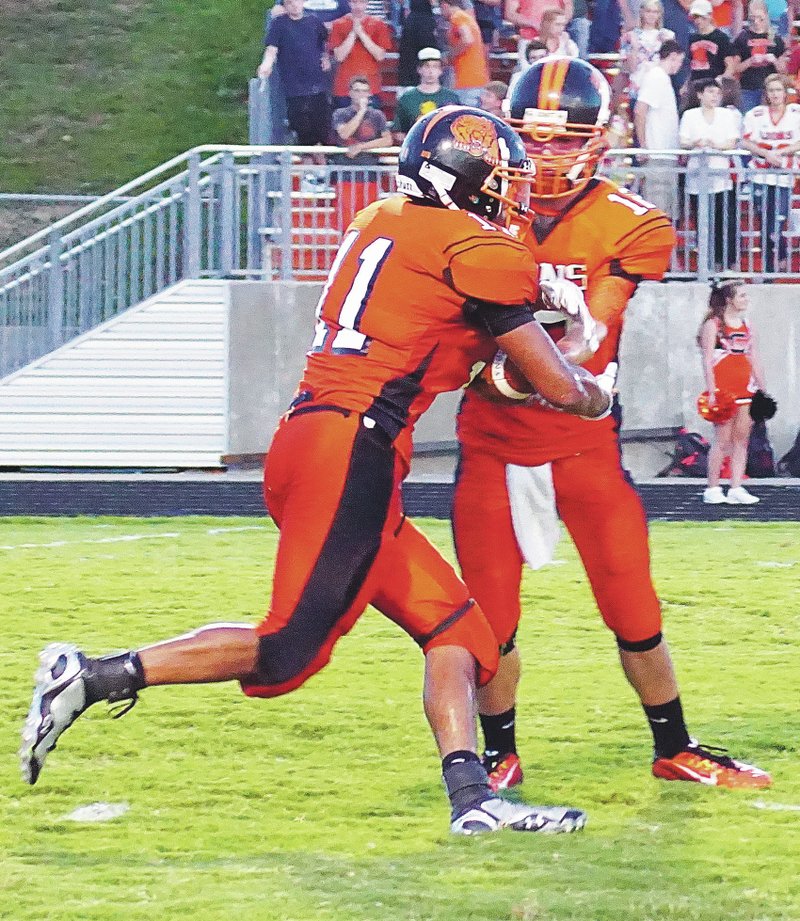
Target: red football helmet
x: 560, y: 107
x: 723, y: 409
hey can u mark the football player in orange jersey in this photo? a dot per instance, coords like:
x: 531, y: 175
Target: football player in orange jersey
x: 424, y: 286
x: 528, y: 456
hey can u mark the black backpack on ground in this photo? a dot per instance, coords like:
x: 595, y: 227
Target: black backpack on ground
x: 690, y: 457
x: 760, y: 458
x: 789, y: 464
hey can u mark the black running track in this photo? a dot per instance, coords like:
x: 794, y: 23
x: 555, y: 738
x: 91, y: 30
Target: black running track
x: 150, y: 496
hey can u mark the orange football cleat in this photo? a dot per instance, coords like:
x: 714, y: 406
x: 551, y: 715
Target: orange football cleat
x: 711, y: 766
x: 507, y: 773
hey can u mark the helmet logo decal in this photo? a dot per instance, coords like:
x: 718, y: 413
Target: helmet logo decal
x: 476, y: 136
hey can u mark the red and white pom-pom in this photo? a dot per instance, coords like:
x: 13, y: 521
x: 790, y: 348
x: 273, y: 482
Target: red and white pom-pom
x: 506, y: 378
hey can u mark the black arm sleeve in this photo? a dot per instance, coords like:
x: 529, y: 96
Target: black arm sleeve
x: 497, y: 319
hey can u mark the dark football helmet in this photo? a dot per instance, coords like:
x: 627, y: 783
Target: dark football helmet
x: 466, y: 159
x: 560, y: 107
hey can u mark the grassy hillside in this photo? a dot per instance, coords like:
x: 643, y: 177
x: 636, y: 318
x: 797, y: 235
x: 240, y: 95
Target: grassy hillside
x: 95, y: 92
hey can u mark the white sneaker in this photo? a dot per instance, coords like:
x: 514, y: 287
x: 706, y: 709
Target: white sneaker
x: 738, y: 495
x: 713, y: 495
x: 59, y: 698
x: 494, y: 814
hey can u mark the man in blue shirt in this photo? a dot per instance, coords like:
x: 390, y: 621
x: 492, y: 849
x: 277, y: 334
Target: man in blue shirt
x: 297, y: 42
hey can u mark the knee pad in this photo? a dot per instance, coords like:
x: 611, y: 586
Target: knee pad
x: 640, y: 645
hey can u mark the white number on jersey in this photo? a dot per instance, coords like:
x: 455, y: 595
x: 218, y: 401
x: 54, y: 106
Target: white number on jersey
x: 349, y: 339
x: 631, y: 200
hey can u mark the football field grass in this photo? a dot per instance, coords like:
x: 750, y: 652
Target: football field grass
x: 327, y: 804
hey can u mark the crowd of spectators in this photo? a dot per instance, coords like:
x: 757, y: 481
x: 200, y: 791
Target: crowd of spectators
x: 319, y: 46
x: 707, y: 75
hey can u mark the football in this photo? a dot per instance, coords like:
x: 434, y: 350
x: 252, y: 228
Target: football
x: 501, y: 380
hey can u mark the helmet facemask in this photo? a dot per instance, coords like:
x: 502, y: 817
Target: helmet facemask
x: 558, y: 173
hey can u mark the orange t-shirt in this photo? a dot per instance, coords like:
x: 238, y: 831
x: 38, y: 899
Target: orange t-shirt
x: 391, y: 331
x: 469, y: 68
x: 607, y: 233
x: 722, y: 14
x: 359, y: 62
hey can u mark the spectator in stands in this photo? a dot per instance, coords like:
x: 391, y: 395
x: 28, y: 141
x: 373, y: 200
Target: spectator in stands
x: 489, y: 16
x: 579, y: 26
x: 297, y: 41
x: 325, y: 10
x: 466, y: 51
x: 526, y: 17
x: 610, y: 18
x: 758, y: 52
x: 553, y: 33
x: 640, y: 46
x: 711, y: 127
x: 727, y: 16
x: 781, y: 14
x: 418, y: 32
x: 793, y: 67
x: 656, y: 121
x: 359, y: 43
x: 676, y: 19
x: 710, y: 49
x: 534, y: 51
x: 361, y: 129
x: 772, y: 133
x: 492, y: 96
x: 427, y: 95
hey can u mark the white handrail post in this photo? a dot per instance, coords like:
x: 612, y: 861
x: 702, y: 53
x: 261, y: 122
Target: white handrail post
x: 55, y: 293
x: 228, y: 222
x: 192, y: 220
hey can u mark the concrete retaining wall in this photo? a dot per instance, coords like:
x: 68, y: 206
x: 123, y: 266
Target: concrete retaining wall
x: 271, y: 326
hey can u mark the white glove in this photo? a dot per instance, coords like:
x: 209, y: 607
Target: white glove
x: 562, y: 296
x: 605, y: 382
x: 608, y: 378
x: 583, y: 333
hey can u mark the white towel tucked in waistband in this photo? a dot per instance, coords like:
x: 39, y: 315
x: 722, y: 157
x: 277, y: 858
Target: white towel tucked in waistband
x: 533, y: 512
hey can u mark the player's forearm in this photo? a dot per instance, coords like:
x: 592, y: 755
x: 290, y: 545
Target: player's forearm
x: 565, y: 386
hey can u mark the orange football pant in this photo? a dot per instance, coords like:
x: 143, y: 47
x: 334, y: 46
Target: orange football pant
x: 332, y: 484
x: 604, y: 516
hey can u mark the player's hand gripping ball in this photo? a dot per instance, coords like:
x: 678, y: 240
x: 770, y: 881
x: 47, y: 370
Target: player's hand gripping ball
x: 720, y: 410
x: 501, y: 381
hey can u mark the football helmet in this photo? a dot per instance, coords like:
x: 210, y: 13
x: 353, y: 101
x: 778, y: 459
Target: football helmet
x: 560, y: 107
x: 466, y: 159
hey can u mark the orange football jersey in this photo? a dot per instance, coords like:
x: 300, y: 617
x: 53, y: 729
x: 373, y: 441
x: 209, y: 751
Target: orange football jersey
x: 391, y: 331
x: 607, y: 232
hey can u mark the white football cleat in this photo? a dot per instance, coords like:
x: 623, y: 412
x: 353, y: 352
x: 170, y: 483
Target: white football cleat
x: 494, y: 814
x: 59, y: 698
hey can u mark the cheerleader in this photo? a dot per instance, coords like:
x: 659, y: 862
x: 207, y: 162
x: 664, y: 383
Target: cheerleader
x: 733, y: 372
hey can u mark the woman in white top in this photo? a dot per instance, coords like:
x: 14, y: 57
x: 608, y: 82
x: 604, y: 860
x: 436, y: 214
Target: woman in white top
x: 772, y: 133
x: 711, y: 127
x: 640, y: 46
x: 553, y: 33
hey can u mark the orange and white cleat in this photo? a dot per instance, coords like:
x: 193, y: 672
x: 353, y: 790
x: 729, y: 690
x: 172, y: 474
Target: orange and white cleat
x: 712, y: 766
x: 505, y: 773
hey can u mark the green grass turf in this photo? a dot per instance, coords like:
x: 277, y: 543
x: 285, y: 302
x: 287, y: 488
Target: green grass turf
x: 95, y: 92
x: 327, y: 804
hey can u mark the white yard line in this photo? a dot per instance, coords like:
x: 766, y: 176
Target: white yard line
x: 123, y: 538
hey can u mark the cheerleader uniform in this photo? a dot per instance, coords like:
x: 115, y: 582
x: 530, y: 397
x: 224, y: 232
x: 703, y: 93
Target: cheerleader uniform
x: 733, y: 372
